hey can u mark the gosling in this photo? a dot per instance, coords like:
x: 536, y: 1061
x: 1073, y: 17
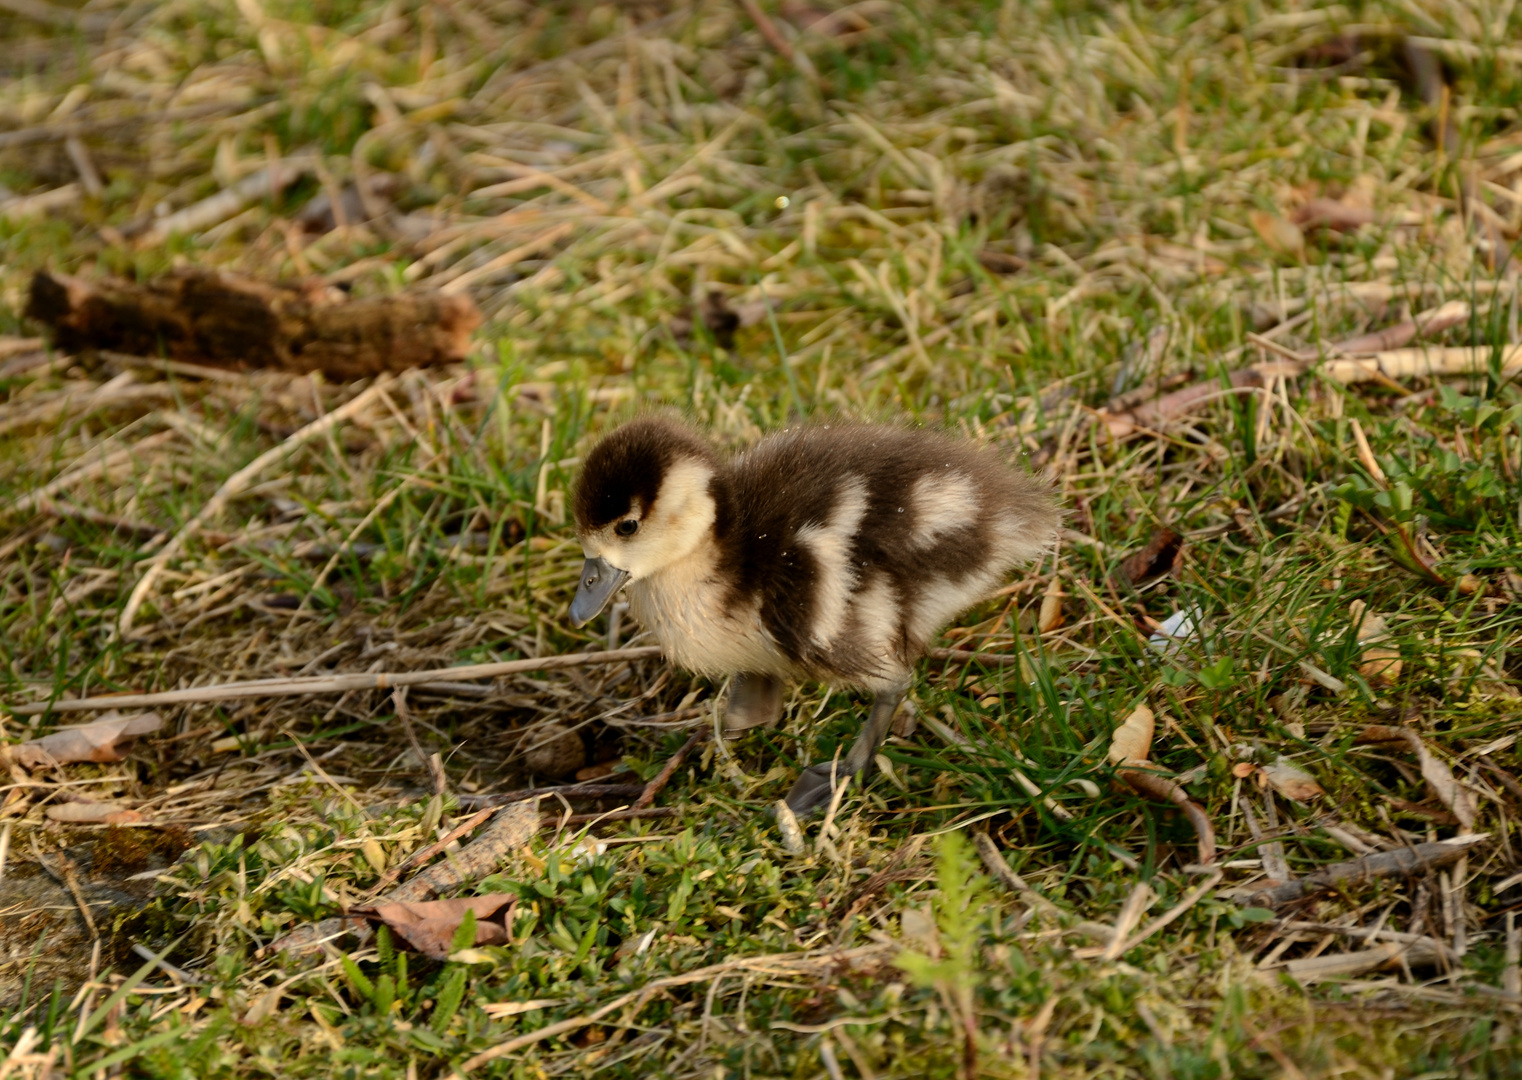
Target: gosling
x: 833, y: 552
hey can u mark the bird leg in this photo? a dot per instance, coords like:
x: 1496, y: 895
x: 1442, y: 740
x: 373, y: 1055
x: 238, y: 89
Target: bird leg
x: 754, y: 701
x: 813, y: 790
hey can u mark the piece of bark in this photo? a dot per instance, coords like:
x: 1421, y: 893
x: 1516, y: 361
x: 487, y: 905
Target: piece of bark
x: 1411, y: 860
x: 512, y: 828
x: 228, y: 320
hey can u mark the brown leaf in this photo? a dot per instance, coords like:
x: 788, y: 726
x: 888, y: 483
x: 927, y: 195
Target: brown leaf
x: 1160, y: 556
x: 429, y: 926
x: 1291, y: 781
x: 999, y: 262
x: 100, y: 740
x: 1380, y: 665
x: 1132, y: 741
x: 1282, y: 237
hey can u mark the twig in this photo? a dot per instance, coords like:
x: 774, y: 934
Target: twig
x: 267, y: 182
x: 611, y: 815
x: 1193, y: 897
x: 968, y: 656
x: 569, y: 791
x: 759, y: 963
x: 659, y: 781
x: 232, y: 487
x: 335, y: 684
x: 1167, y: 789
x: 1429, y: 856
x: 993, y: 858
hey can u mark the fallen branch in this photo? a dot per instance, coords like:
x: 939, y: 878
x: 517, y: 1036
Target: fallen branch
x: 589, y: 790
x: 1412, y: 860
x: 335, y: 684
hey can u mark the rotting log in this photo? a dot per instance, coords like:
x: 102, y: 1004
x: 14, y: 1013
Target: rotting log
x: 213, y: 317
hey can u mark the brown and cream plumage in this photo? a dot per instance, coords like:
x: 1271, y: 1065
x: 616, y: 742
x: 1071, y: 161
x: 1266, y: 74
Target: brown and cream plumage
x: 834, y: 552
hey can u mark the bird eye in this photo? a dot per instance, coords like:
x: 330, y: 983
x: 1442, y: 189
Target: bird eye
x: 627, y: 527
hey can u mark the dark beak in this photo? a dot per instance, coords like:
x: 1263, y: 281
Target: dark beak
x: 599, y: 582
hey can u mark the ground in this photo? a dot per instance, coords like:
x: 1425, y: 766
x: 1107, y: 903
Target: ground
x: 1138, y: 248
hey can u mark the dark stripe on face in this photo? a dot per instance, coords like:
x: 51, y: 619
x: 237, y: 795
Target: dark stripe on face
x: 627, y: 467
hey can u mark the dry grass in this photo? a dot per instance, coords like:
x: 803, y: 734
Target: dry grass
x: 1028, y: 223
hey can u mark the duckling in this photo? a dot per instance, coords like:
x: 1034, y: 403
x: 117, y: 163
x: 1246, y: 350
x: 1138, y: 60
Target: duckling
x: 834, y: 552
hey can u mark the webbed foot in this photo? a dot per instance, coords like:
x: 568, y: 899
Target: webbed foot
x: 754, y: 701
x: 812, y: 791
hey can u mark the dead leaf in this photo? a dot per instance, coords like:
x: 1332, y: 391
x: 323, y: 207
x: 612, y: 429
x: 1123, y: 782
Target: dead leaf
x: 1161, y: 556
x: 429, y: 926
x: 1282, y: 237
x: 1440, y: 779
x: 998, y: 262
x: 102, y: 740
x: 1290, y: 780
x: 93, y: 813
x: 598, y: 771
x: 1132, y: 741
x: 1049, y: 617
x: 1243, y: 769
x: 1380, y: 665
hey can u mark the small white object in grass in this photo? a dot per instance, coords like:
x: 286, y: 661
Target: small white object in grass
x: 1175, y: 629
x: 783, y: 202
x: 787, y: 825
x: 586, y: 849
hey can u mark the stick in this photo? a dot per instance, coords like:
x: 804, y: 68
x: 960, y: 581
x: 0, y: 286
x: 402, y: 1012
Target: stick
x: 232, y: 487
x: 702, y: 974
x: 1167, y: 789
x: 653, y: 788
x: 591, y: 790
x: 552, y: 820
x: 1429, y: 856
x: 335, y: 684
x: 1424, y: 364
x: 1194, y: 896
x: 266, y: 183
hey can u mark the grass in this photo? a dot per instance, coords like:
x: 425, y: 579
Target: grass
x: 1139, y: 180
